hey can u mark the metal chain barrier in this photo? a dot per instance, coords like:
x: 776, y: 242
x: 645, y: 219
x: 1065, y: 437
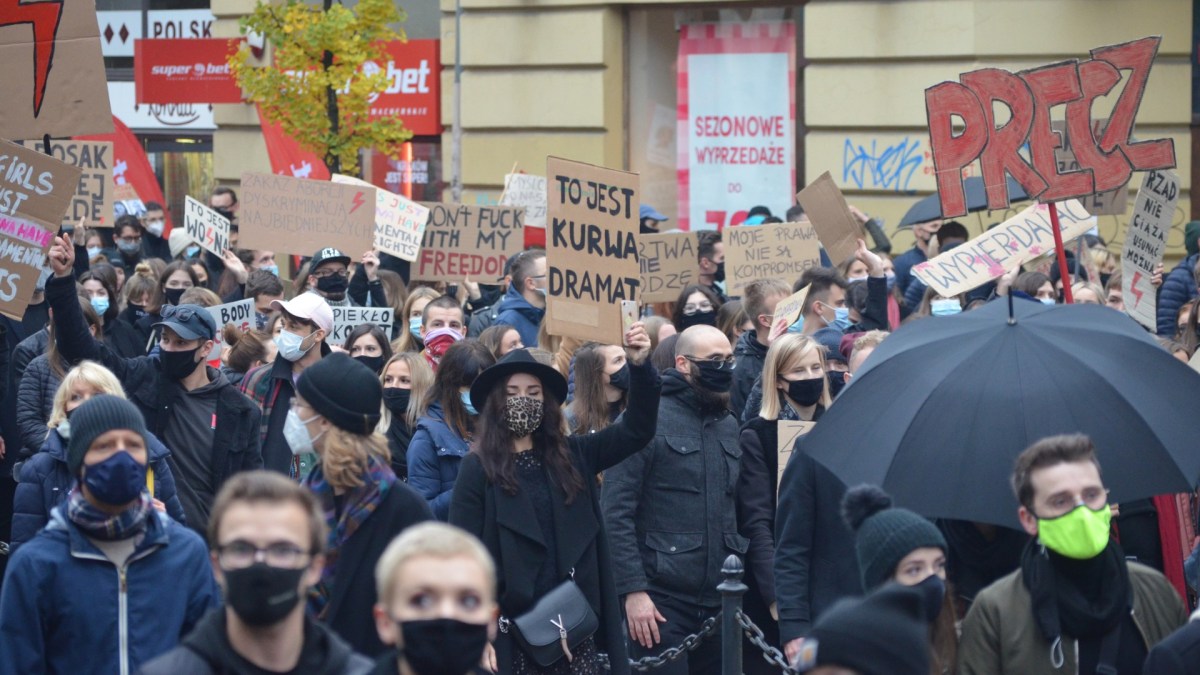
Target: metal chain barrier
x: 756, y: 637
x: 648, y: 663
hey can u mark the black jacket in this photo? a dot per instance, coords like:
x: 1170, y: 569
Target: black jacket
x: 671, y: 508
x: 35, y: 401
x: 815, y: 561
x: 1179, y: 654
x: 207, y: 651
x: 750, y: 357
x: 509, y: 528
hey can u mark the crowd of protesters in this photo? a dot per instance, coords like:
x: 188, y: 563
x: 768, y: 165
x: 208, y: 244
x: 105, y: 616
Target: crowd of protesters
x: 273, y: 506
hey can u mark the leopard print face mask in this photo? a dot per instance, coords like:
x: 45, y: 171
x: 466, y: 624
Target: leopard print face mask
x: 523, y: 415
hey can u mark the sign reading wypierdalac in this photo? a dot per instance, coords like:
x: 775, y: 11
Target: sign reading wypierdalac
x: 1014, y: 242
x: 1105, y: 161
x: 591, y: 252
x: 1145, y: 243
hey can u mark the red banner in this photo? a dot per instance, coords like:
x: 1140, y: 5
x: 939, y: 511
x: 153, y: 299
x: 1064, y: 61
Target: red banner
x: 287, y: 157
x: 185, y: 71
x: 131, y: 166
x: 413, y: 93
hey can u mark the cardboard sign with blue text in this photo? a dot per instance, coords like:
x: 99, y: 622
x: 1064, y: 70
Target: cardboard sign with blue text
x: 346, y: 319
x: 1145, y: 243
x: 591, y: 249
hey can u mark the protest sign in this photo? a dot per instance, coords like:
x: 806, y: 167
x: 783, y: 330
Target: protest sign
x: 54, y: 70
x: 399, y: 221
x: 963, y: 128
x: 1145, y: 243
x: 668, y: 265
x: 826, y: 208
x: 294, y: 215
x: 528, y: 192
x: 23, y: 246
x: 1110, y: 203
x: 346, y: 319
x: 789, y: 431
x: 93, y: 198
x: 473, y: 242
x: 592, y: 255
x: 788, y: 310
x: 206, y: 227
x: 127, y: 200
x: 780, y: 251
x: 34, y: 185
x: 240, y: 314
x: 1014, y: 242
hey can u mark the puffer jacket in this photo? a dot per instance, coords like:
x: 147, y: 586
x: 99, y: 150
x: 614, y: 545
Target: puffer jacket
x: 750, y: 357
x: 45, y: 481
x: 1178, y: 288
x: 434, y: 455
x: 514, y: 310
x: 35, y: 400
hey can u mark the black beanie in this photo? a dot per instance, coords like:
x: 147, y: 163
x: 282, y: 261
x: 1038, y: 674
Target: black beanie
x: 343, y: 391
x: 98, y: 415
x: 883, y: 633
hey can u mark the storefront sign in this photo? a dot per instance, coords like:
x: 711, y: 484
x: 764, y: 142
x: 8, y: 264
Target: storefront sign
x: 414, y: 84
x: 737, y: 117
x: 179, y: 23
x: 118, y: 30
x: 178, y: 71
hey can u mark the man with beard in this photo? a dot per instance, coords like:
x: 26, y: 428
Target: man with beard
x: 671, y: 508
x: 329, y: 276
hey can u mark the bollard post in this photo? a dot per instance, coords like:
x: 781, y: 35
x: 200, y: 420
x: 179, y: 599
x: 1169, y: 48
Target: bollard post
x: 732, y: 589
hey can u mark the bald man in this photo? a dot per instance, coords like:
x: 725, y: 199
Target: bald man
x: 670, y: 508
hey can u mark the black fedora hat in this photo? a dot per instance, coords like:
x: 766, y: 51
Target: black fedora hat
x: 517, y: 361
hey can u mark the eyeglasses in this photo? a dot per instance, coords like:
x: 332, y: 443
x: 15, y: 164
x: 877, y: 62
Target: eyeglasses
x: 241, y: 554
x: 325, y: 274
x: 177, y: 312
x: 690, y: 309
x: 722, y: 362
x: 1094, y: 498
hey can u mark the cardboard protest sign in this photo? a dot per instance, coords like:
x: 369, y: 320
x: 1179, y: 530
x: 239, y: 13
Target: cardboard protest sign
x: 780, y: 251
x: 346, y: 319
x: 788, y: 310
x: 93, y: 198
x: 1145, y: 243
x: 294, y: 215
x: 789, y: 431
x: 127, y: 201
x: 1110, y: 203
x: 668, y: 265
x: 23, y: 246
x: 464, y: 241
x: 34, y: 185
x: 54, y: 71
x: 528, y: 192
x: 827, y: 210
x: 1014, y: 242
x: 592, y: 254
x: 206, y: 227
x: 399, y: 221
x: 240, y: 314
x: 962, y: 128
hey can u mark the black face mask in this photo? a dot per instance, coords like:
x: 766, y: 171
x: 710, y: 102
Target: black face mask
x: 442, y: 646
x: 720, y: 273
x: 173, y: 295
x: 1104, y: 279
x: 262, y: 595
x: 714, y: 377
x: 375, y: 363
x: 933, y: 589
x: 806, y: 392
x: 396, y: 399
x: 708, y: 318
x: 177, y: 365
x: 138, y: 310
x: 620, y: 379
x: 649, y: 226
x: 332, y: 284
x: 837, y: 382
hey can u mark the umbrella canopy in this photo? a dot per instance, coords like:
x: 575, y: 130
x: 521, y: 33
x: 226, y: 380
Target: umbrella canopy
x: 930, y: 208
x: 940, y: 410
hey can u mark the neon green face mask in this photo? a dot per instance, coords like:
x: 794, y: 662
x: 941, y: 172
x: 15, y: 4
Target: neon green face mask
x: 1081, y: 533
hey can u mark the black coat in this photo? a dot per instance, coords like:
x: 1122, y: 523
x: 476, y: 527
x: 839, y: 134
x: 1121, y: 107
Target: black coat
x: 509, y: 528
x: 353, y: 595
x: 815, y: 561
x: 1179, y: 654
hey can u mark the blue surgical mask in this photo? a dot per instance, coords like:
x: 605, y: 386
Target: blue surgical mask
x: 191, y: 251
x: 841, y: 318
x: 100, y: 304
x: 128, y: 247
x: 1048, y: 301
x: 414, y: 327
x: 797, y: 327
x: 94, y: 251
x: 466, y: 401
x: 272, y: 268
x: 945, y: 307
x: 291, y: 346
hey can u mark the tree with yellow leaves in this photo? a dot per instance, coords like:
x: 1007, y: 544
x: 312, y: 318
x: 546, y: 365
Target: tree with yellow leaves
x: 316, y: 89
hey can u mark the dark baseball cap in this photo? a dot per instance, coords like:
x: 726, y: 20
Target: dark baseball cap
x: 190, y: 322
x: 328, y: 254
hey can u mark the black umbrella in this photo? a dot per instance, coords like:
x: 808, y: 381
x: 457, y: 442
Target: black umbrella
x: 940, y: 410
x: 930, y: 208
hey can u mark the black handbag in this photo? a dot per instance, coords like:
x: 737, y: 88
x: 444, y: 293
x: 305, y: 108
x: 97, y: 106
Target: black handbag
x: 560, y: 621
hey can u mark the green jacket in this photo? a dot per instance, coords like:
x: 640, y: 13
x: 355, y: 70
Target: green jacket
x: 1000, y: 636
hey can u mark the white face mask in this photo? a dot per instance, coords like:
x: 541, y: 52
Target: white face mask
x: 64, y: 429
x: 155, y: 228
x: 295, y: 432
x: 289, y: 345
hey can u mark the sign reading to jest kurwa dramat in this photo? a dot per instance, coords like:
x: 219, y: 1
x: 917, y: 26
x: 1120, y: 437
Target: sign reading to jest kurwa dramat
x: 668, y: 264
x: 1105, y: 162
x: 591, y: 252
x: 399, y: 221
x: 35, y: 185
x: 206, y: 227
x: 93, y: 198
x: 294, y: 215
x: 1014, y: 242
x: 1145, y: 243
x: 781, y: 251
x: 469, y: 242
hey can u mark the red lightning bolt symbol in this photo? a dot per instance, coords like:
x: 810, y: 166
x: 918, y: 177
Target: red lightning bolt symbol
x: 44, y: 17
x: 1134, y: 289
x: 357, y: 201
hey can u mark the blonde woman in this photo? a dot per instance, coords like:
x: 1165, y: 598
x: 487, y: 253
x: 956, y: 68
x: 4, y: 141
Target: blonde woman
x: 334, y: 414
x: 794, y: 388
x: 410, y: 320
x: 406, y: 378
x: 45, y: 479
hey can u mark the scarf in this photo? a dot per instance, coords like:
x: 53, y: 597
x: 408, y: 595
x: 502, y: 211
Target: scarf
x: 1079, y: 598
x: 436, y: 344
x: 100, y: 525
x: 357, y: 506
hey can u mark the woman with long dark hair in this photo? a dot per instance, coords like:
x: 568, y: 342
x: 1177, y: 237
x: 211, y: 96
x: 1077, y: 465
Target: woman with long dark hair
x: 601, y: 387
x: 528, y: 491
